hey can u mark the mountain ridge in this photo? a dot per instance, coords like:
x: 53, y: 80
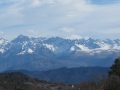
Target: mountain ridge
x: 82, y: 44
x: 68, y: 75
x: 55, y: 52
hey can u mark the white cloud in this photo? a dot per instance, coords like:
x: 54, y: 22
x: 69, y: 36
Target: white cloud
x: 50, y: 1
x: 1, y: 32
x: 33, y: 32
x: 36, y: 3
x: 66, y: 29
x: 72, y: 37
x: 48, y: 15
x: 65, y: 1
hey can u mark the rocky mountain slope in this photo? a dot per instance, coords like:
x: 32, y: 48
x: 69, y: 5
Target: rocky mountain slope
x: 47, y: 53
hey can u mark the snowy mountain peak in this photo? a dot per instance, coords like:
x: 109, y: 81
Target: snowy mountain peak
x: 21, y: 38
x: 3, y: 43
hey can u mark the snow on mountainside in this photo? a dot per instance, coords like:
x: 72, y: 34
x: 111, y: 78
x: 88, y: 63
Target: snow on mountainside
x: 3, y: 43
x: 25, y: 50
x: 24, y: 44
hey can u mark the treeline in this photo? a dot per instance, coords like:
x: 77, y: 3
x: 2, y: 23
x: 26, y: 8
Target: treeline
x: 19, y: 81
x: 112, y: 82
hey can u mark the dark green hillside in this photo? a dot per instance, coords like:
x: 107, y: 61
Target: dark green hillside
x: 19, y: 81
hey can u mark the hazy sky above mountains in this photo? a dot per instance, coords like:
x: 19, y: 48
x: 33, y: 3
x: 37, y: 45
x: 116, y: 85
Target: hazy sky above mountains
x: 99, y: 19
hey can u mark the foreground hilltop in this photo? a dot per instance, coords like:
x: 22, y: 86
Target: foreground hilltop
x: 19, y: 81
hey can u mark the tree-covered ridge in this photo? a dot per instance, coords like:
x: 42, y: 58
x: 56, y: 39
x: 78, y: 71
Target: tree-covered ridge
x: 19, y: 81
x: 112, y: 82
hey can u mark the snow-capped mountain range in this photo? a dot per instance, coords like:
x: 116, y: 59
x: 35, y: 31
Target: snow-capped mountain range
x: 24, y: 50
x: 57, y: 44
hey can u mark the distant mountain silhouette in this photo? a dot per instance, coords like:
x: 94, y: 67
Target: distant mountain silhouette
x: 68, y: 75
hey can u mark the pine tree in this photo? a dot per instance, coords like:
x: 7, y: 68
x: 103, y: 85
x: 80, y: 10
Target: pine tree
x: 115, y: 68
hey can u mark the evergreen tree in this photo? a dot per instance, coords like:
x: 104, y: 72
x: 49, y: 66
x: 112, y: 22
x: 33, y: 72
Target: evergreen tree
x: 115, y: 68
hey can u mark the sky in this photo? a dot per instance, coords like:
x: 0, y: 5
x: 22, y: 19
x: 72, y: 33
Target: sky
x: 72, y: 19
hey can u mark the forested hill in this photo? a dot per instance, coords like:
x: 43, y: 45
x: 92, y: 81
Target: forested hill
x: 19, y: 81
